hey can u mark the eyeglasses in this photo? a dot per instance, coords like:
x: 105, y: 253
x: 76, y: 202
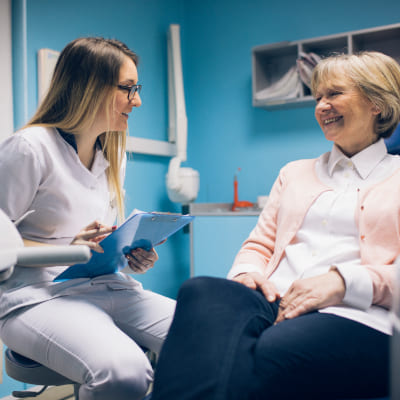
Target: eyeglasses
x: 131, y: 90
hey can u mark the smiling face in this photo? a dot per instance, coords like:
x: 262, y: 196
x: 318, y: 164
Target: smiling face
x: 113, y: 116
x: 345, y: 116
x: 122, y: 107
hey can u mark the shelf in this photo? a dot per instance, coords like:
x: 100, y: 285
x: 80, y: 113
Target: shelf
x: 151, y: 147
x: 273, y: 61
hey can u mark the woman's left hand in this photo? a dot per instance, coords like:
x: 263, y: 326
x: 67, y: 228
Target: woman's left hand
x: 311, y: 294
x: 140, y: 260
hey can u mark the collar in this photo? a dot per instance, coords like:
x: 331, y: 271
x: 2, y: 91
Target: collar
x: 70, y: 139
x: 364, y: 162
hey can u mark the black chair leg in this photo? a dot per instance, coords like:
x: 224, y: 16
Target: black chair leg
x: 28, y: 393
x: 76, y: 391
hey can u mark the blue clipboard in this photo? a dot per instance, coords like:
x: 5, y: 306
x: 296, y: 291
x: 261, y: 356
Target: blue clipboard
x: 143, y: 229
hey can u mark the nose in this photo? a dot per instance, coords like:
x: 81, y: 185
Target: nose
x: 136, y: 100
x: 323, y: 106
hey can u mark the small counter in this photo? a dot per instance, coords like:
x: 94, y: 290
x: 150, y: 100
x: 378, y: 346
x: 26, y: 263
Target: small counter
x: 220, y: 209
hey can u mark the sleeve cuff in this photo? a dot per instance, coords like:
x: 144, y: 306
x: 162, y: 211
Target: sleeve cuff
x: 359, y: 289
x: 242, y: 268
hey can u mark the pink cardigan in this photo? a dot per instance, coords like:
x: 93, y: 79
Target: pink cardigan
x: 297, y: 187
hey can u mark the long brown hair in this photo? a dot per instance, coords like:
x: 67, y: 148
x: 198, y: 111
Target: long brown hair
x: 84, y: 79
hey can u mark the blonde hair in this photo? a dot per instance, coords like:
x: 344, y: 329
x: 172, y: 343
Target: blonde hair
x: 375, y: 75
x: 84, y: 79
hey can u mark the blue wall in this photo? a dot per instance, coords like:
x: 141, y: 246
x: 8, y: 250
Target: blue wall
x: 225, y: 131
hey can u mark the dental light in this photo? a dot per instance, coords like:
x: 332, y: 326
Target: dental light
x: 182, y: 183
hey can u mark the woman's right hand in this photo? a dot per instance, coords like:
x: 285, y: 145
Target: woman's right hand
x: 256, y: 281
x: 92, y: 234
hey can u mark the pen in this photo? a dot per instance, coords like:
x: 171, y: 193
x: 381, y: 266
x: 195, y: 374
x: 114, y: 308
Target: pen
x: 22, y: 217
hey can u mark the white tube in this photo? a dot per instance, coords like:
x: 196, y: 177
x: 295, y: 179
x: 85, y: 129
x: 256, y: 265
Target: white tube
x: 176, y: 95
x: 174, y: 182
x: 182, y: 183
x: 52, y: 255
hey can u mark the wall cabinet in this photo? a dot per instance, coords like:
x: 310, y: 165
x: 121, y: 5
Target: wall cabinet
x: 272, y: 64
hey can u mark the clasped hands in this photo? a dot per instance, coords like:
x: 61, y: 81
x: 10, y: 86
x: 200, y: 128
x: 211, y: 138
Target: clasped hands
x: 139, y: 260
x: 303, y: 296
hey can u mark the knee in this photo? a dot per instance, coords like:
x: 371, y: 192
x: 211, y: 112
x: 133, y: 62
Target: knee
x: 209, y: 289
x: 198, y: 285
x: 120, y: 379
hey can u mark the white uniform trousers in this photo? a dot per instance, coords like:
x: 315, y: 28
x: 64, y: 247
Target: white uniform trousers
x: 94, y: 338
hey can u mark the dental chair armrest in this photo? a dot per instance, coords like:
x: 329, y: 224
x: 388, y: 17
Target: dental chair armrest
x: 41, y: 256
x: 52, y: 255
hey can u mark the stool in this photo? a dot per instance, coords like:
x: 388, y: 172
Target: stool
x: 26, y: 370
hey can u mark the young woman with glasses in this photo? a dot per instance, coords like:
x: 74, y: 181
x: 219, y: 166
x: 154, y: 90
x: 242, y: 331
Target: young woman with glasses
x: 68, y: 164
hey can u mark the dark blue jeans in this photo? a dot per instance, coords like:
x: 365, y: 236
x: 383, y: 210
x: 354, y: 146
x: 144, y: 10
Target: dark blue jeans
x: 223, y: 345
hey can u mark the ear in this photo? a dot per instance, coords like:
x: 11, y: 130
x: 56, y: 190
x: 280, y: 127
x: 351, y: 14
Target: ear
x: 375, y: 110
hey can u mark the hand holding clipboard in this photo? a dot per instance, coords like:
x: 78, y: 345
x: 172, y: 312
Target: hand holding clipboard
x: 141, y: 229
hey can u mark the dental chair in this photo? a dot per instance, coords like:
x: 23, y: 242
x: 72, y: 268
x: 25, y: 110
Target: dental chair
x: 12, y: 252
x: 26, y: 370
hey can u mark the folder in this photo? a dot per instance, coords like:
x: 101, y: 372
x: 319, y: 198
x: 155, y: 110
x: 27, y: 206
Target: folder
x: 141, y: 229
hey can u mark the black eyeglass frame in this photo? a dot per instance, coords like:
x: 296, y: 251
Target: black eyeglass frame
x: 131, y: 90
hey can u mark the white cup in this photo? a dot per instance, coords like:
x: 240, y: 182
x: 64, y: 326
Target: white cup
x: 261, y: 201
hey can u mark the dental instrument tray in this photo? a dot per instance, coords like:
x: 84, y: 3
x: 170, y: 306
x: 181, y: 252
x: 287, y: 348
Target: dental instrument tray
x: 141, y: 229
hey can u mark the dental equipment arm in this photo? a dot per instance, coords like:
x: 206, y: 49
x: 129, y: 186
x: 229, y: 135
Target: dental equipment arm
x: 12, y: 251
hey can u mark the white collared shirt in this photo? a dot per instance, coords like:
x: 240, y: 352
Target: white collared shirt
x: 329, y: 235
x: 40, y: 171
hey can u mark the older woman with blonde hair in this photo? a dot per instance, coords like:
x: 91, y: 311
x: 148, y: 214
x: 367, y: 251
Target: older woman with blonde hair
x: 67, y: 165
x: 305, y: 311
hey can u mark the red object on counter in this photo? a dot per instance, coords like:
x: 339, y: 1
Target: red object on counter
x: 236, y: 203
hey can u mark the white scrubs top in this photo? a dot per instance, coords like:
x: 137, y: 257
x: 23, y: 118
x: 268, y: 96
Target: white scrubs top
x: 41, y: 171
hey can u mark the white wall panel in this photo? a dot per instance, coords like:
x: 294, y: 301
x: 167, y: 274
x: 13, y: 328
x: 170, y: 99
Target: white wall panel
x: 6, y: 98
